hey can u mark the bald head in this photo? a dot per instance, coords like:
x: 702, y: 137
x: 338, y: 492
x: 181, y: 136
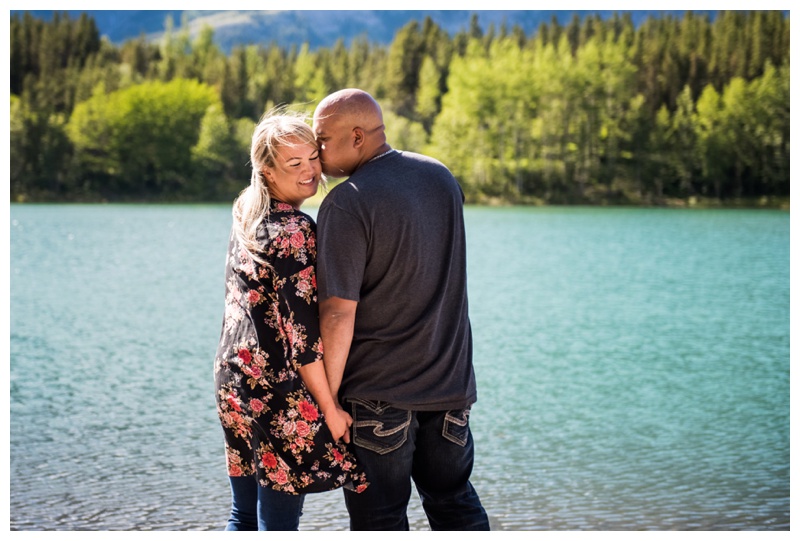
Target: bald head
x: 353, y: 106
x: 350, y: 131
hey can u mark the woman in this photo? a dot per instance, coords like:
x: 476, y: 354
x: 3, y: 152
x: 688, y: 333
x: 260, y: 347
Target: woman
x: 282, y: 427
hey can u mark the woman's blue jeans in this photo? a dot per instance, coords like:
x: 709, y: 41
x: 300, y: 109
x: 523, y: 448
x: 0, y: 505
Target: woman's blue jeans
x: 434, y: 448
x: 254, y: 507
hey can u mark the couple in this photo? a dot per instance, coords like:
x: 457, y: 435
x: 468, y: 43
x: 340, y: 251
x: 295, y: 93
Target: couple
x: 388, y: 266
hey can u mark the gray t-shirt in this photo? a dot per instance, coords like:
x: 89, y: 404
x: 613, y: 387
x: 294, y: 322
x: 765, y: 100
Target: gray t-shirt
x: 392, y: 238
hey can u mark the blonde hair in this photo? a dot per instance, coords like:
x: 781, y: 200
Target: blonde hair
x: 276, y: 128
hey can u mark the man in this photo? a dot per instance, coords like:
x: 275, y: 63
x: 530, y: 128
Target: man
x: 393, y: 315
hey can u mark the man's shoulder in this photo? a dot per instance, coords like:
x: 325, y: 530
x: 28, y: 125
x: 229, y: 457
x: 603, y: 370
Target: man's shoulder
x: 339, y: 191
x: 403, y: 159
x: 342, y: 196
x: 423, y: 166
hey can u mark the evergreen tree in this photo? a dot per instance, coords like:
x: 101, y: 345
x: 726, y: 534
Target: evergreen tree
x: 402, y: 68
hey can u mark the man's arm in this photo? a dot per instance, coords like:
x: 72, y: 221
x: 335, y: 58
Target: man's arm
x: 337, y: 318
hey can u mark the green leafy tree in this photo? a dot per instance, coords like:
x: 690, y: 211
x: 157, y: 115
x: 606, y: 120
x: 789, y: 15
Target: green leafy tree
x: 713, y: 142
x: 770, y: 99
x: 138, y: 141
x: 213, y: 169
x: 482, y: 131
x: 429, y: 95
x: 404, y: 134
x: 309, y: 78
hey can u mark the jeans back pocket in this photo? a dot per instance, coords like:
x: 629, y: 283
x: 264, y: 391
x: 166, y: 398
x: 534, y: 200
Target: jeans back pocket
x: 456, y: 426
x: 378, y: 426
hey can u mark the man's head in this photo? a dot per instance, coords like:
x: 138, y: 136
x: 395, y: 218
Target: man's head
x: 349, y: 128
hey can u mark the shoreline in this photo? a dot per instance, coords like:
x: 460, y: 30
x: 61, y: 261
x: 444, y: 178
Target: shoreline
x: 700, y: 203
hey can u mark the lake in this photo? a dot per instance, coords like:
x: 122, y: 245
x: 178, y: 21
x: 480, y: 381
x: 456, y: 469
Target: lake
x: 632, y: 367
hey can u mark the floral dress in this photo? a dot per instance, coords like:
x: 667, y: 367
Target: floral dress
x: 273, y: 427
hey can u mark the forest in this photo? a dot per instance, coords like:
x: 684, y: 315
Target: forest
x: 690, y: 110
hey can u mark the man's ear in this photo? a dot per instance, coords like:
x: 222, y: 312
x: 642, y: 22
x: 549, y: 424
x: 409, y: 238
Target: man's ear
x: 358, y: 137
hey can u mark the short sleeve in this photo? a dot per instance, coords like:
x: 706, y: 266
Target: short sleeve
x: 341, y: 254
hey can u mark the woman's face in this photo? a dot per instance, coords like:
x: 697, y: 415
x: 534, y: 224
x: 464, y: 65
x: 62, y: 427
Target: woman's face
x: 296, y: 174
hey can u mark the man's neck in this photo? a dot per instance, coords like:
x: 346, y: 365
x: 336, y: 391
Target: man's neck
x: 383, y: 149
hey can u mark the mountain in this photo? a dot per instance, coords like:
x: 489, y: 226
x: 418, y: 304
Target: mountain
x: 320, y: 28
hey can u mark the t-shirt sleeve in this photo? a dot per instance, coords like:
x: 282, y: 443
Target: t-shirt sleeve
x: 341, y: 253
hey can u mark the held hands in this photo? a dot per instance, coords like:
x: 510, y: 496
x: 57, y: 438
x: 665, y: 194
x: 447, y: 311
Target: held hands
x: 339, y: 423
x: 338, y: 420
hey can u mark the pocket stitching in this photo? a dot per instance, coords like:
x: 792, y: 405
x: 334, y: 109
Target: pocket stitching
x: 451, y: 419
x: 368, y: 444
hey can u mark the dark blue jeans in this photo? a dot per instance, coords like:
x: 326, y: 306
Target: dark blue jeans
x: 434, y: 448
x: 254, y: 507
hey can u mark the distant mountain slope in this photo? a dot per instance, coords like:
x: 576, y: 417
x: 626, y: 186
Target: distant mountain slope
x: 318, y: 28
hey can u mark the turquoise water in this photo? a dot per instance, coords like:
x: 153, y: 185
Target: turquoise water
x: 632, y: 364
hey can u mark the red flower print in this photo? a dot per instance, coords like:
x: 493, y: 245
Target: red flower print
x: 253, y: 296
x: 234, y: 470
x: 303, y: 429
x: 233, y: 403
x: 361, y: 488
x: 337, y: 455
x: 235, y: 418
x: 269, y: 461
x: 298, y: 240
x: 308, y: 411
x: 280, y: 477
x: 245, y: 356
x: 284, y: 207
x: 257, y: 405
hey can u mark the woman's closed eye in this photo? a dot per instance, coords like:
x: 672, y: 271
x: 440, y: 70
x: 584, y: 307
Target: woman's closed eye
x: 298, y: 163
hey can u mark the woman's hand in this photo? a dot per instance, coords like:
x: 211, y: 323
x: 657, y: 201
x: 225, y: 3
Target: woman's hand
x: 336, y: 418
x: 339, y: 423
